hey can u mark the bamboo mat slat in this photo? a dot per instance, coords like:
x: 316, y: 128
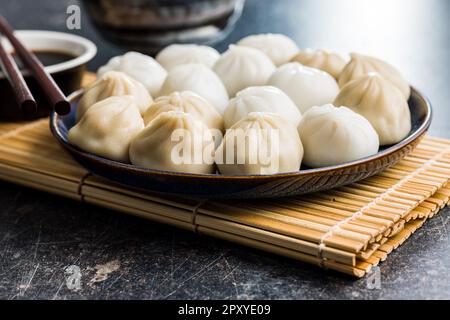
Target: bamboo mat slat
x: 349, y: 229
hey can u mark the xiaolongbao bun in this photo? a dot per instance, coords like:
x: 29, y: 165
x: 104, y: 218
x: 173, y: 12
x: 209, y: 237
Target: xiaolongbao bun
x: 332, y: 136
x: 380, y: 102
x: 330, y: 62
x: 241, y: 67
x: 277, y: 47
x: 108, y: 127
x: 360, y: 65
x: 139, y: 66
x: 177, y: 54
x: 261, y: 99
x: 189, y: 102
x: 114, y: 83
x: 199, y: 79
x: 306, y: 86
x: 261, y: 143
x: 174, y: 141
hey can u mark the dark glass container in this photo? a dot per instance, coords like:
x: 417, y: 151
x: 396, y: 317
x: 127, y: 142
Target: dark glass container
x: 150, y: 25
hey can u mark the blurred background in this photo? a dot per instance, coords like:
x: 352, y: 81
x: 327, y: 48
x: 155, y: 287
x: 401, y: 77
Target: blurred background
x: 414, y: 35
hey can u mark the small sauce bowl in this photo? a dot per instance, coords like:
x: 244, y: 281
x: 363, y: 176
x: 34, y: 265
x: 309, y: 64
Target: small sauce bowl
x: 65, y: 57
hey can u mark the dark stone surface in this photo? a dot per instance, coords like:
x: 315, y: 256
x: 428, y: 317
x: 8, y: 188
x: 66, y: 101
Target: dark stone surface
x: 41, y: 235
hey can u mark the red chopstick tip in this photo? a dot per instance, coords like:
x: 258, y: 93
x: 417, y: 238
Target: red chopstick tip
x: 62, y: 107
x: 29, y: 106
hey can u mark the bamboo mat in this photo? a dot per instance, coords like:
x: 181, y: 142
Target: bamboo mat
x: 348, y: 229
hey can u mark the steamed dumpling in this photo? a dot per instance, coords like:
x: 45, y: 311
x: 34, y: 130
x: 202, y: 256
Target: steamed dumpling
x: 332, y: 136
x: 261, y: 143
x: 306, y: 86
x: 114, y: 83
x: 261, y: 99
x: 360, y: 65
x: 380, y: 102
x: 330, y: 62
x: 174, y: 141
x: 108, y: 127
x: 199, y: 79
x: 177, y: 54
x: 139, y: 66
x: 241, y: 67
x: 189, y: 102
x: 279, y: 48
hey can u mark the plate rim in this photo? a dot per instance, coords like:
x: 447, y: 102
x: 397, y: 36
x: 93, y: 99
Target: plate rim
x: 419, y: 132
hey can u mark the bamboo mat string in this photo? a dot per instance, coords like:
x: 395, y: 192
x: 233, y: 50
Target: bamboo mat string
x: 81, y: 185
x: 194, y: 214
x: 331, y: 230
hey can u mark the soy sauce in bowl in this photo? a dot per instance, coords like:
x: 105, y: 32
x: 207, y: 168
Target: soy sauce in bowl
x: 65, y: 57
x: 48, y: 57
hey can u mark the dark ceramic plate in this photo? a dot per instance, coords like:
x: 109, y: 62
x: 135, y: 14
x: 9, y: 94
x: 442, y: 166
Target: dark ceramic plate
x: 254, y: 186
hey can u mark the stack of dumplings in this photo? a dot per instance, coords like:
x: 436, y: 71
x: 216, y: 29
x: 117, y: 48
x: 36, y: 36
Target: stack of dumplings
x: 262, y: 107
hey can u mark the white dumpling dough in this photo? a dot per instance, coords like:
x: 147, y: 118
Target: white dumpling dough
x: 240, y: 67
x: 189, y: 102
x: 332, y: 136
x: 199, y: 79
x: 261, y: 99
x: 306, y: 86
x: 261, y: 143
x: 361, y: 65
x: 114, y: 83
x: 177, y: 54
x: 108, y: 127
x: 330, y: 62
x: 174, y: 141
x: 279, y: 48
x: 139, y: 66
x: 380, y: 102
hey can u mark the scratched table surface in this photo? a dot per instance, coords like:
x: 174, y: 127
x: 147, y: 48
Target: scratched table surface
x: 54, y: 248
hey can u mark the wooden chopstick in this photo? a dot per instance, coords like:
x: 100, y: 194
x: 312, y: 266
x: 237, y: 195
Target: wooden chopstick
x: 23, y: 95
x: 54, y: 94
